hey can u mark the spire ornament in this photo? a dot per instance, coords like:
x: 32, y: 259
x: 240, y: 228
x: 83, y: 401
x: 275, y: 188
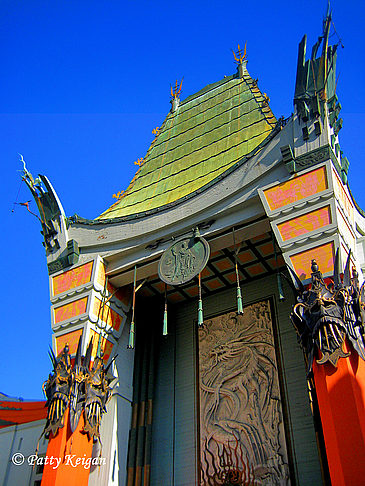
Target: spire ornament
x: 175, y: 95
x: 240, y: 59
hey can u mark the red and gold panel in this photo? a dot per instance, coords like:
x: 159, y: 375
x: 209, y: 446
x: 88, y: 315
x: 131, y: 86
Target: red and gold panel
x: 255, y: 270
x: 223, y: 264
x: 106, y: 346
x: 324, y: 256
x: 71, y: 338
x: 276, y: 263
x: 304, y: 224
x: 231, y: 277
x: 73, y: 309
x: 246, y: 257
x: 107, y: 315
x: 302, y: 186
x: 175, y: 297
x: 214, y: 284
x: 266, y: 249
x: 72, y: 278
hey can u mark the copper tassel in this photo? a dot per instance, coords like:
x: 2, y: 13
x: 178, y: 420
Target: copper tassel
x: 164, y: 331
x: 278, y: 276
x: 239, y: 294
x: 131, y: 330
x: 200, y: 304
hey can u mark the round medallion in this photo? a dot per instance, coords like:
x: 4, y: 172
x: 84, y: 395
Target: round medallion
x: 183, y: 260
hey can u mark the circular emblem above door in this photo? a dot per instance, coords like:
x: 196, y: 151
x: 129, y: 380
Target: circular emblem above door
x: 183, y: 260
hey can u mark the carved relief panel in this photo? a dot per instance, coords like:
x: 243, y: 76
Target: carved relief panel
x: 242, y: 436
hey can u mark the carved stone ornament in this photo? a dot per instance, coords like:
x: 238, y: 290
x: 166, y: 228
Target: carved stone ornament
x: 183, y: 260
x: 80, y: 389
x: 326, y: 315
x: 242, y: 437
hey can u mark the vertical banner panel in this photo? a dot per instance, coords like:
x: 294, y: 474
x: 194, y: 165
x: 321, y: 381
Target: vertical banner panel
x: 242, y: 436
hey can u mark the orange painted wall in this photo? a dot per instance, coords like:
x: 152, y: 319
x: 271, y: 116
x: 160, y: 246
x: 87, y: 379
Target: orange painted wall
x: 305, y: 223
x: 72, y: 278
x: 106, y: 346
x: 123, y: 294
x: 71, y: 338
x: 107, y: 315
x: 297, y: 188
x: 73, y: 309
x: 341, y: 398
x: 323, y: 254
x: 63, y: 445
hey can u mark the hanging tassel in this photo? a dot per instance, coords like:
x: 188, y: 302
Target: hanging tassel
x: 239, y: 295
x: 278, y: 276
x: 131, y: 329
x: 131, y: 336
x: 200, y: 304
x: 239, y: 298
x: 280, y: 288
x: 164, y: 331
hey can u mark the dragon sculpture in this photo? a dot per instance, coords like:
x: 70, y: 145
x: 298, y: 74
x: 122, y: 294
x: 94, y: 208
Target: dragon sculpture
x: 327, y: 313
x: 80, y: 389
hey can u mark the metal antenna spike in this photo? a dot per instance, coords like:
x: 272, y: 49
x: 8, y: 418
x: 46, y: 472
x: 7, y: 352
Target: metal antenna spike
x: 52, y: 360
x: 52, y: 356
x: 336, y: 270
x: 98, y: 352
x: 111, y: 362
x: 297, y: 279
x: 346, y: 273
x: 87, y: 358
x: 78, y: 353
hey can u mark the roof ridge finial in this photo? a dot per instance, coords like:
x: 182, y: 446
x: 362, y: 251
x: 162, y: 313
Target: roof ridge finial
x: 175, y: 95
x: 240, y: 59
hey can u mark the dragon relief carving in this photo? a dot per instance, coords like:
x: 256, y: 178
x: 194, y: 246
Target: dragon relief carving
x: 242, y: 432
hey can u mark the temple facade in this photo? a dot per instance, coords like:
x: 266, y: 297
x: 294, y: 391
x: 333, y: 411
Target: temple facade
x: 175, y: 360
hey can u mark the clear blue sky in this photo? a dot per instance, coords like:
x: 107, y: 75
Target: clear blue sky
x: 83, y: 83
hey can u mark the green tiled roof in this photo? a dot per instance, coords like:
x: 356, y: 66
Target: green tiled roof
x: 207, y: 134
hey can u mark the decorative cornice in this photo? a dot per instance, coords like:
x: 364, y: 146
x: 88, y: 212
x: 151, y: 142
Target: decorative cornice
x: 69, y: 257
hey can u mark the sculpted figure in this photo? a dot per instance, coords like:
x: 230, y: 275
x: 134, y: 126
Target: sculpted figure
x: 57, y: 390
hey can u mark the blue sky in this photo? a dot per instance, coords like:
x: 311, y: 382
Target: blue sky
x: 83, y: 84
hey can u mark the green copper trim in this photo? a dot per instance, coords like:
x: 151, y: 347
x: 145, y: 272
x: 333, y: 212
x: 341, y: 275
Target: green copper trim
x: 68, y: 258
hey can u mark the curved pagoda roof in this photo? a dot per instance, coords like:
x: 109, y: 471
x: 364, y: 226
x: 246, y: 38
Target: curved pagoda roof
x: 209, y: 132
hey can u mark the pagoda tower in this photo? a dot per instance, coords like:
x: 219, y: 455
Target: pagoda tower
x: 176, y: 300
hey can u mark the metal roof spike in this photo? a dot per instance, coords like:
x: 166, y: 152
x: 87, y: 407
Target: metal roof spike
x: 175, y: 95
x: 78, y: 353
x: 240, y: 59
x: 346, y: 272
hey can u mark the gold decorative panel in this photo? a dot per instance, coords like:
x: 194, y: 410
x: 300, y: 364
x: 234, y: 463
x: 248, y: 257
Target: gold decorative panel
x: 242, y: 434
